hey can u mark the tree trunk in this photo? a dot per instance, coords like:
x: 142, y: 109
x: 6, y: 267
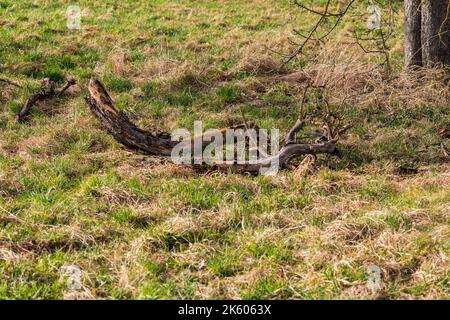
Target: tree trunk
x: 413, y: 43
x: 435, y: 35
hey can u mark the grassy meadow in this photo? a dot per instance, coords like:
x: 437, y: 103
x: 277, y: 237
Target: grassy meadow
x: 139, y: 227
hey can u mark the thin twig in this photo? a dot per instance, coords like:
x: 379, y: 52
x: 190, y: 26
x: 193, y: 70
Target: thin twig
x: 291, y: 135
x: 324, y: 16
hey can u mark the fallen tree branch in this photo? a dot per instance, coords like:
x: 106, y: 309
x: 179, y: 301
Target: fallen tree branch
x: 291, y: 135
x: 47, y: 91
x: 7, y: 81
x: 159, y: 143
x: 313, y: 33
x: 70, y: 82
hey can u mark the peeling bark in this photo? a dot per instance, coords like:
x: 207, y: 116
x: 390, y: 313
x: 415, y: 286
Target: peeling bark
x: 123, y: 130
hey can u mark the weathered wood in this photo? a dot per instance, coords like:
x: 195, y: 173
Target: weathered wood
x: 160, y: 143
x: 10, y: 82
x: 47, y: 90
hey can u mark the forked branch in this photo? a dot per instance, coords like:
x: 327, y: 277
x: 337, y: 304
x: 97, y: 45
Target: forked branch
x: 160, y: 143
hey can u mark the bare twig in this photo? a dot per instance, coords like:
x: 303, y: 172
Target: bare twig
x: 380, y: 38
x: 291, y: 135
x: 70, y: 82
x: 260, y: 151
x: 10, y: 82
x: 118, y: 124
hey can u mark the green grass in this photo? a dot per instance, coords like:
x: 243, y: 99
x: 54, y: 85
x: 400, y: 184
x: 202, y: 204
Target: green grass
x: 140, y: 229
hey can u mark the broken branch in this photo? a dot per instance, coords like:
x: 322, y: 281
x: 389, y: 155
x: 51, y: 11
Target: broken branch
x: 159, y: 143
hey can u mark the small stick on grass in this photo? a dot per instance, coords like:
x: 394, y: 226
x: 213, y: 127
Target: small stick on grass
x: 47, y: 91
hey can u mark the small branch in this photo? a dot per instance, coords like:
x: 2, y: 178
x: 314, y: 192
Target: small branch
x: 70, y: 82
x: 244, y: 119
x: 324, y: 16
x: 343, y: 130
x: 291, y: 135
x: 47, y: 91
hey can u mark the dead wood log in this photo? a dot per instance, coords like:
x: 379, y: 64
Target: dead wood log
x: 159, y: 143
x: 47, y: 91
x: 10, y: 82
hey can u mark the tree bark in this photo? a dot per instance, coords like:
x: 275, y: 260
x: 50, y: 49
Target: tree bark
x: 118, y: 124
x: 435, y: 33
x: 413, y: 43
